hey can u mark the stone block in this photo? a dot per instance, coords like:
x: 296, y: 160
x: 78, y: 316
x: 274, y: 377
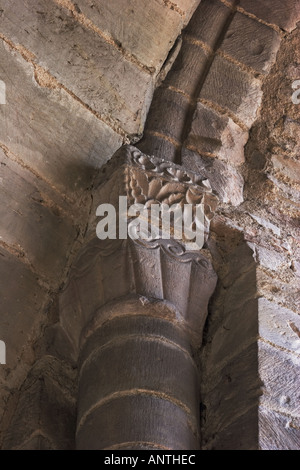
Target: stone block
x: 225, y: 180
x: 209, y: 22
x: 87, y: 65
x: 188, y: 69
x: 228, y: 393
x: 31, y: 224
x: 238, y: 329
x: 158, y: 146
x: 251, y: 43
x: 287, y: 167
x: 217, y: 134
x: 168, y: 113
x: 232, y: 89
x: 276, y: 432
x: 285, y: 14
x: 109, y: 425
x: 146, y: 30
x: 279, y: 371
x: 279, y: 325
x: 269, y: 259
x: 46, y: 407
x: 242, y: 434
x: 50, y: 131
x: 138, y: 363
x: 23, y: 302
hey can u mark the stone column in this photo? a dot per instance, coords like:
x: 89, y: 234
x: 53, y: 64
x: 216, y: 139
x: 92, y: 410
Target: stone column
x: 138, y: 382
x: 140, y: 307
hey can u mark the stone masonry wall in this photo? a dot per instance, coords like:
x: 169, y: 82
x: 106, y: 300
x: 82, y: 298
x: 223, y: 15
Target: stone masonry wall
x: 79, y: 83
x: 79, y: 80
x: 225, y: 110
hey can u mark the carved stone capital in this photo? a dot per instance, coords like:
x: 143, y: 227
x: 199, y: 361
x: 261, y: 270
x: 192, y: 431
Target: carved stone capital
x: 107, y: 270
x: 148, y: 181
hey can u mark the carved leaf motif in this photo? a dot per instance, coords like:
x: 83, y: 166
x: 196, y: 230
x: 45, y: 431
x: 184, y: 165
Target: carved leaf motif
x: 170, y: 188
x: 142, y: 182
x: 193, y: 196
x: 155, y: 186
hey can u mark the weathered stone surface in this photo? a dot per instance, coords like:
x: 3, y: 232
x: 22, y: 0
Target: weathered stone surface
x: 266, y: 224
x: 142, y: 362
x: 167, y: 114
x: 156, y: 145
x: 283, y: 14
x: 279, y: 372
x: 251, y: 43
x: 287, y: 167
x: 219, y: 135
x: 22, y: 304
x: 109, y: 424
x: 209, y: 22
x: 225, y: 180
x: 269, y: 259
x: 279, y: 325
x: 156, y: 25
x: 239, y: 435
x: 280, y: 290
x: 228, y: 393
x: 38, y: 442
x: 237, y: 330
x: 46, y: 408
x: 232, y: 89
x: 188, y: 69
x: 108, y: 324
x: 50, y: 131
x: 187, y: 6
x: 30, y: 224
x: 87, y: 65
x: 101, y: 274
x: 276, y: 432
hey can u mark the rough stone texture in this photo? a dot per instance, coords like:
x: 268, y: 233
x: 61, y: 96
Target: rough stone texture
x: 109, y: 425
x: 232, y: 89
x: 287, y: 435
x: 224, y: 178
x: 113, y: 372
x: 99, y: 66
x: 158, y: 145
x: 188, y: 69
x: 22, y: 302
x: 70, y: 138
x: 45, y: 415
x: 251, y: 43
x: 185, y: 5
x: 283, y: 14
x: 279, y: 371
x: 279, y: 326
x: 218, y: 135
x: 230, y: 386
x: 156, y: 25
x: 176, y: 107
x: 209, y: 24
x: 239, y: 435
x: 235, y: 381
x: 286, y: 166
x: 269, y: 259
x: 41, y: 232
